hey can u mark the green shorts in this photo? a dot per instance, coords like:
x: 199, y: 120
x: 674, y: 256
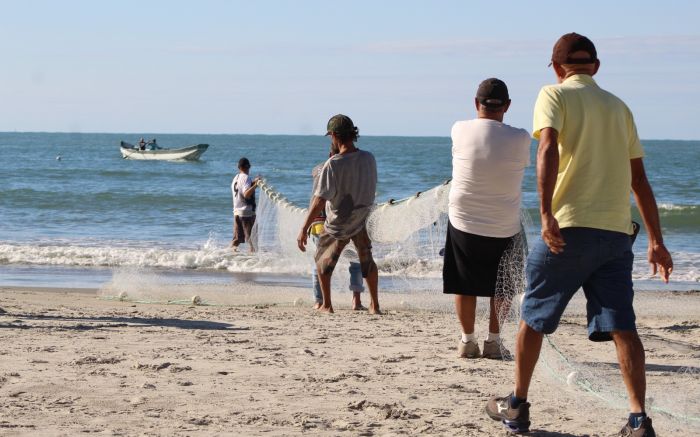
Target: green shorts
x: 329, y: 249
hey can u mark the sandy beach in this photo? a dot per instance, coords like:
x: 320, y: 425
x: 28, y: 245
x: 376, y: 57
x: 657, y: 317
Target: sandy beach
x: 73, y: 362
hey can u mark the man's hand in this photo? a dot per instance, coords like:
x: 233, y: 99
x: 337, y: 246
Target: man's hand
x: 657, y: 254
x: 302, y: 239
x: 551, y: 234
x: 660, y: 260
x: 317, y: 204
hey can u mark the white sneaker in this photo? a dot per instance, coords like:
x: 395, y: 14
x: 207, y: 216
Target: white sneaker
x: 496, y: 351
x: 469, y: 349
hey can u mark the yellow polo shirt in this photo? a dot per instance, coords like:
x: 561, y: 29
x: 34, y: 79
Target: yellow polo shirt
x: 597, y: 139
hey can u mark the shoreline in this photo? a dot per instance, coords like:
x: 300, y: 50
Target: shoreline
x: 97, y: 290
x: 80, y: 277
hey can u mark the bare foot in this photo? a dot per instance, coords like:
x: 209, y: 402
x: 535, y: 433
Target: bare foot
x: 374, y: 309
x: 317, y: 305
x: 323, y: 309
x: 356, y: 302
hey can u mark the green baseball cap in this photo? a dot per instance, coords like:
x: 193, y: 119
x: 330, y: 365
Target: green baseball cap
x: 340, y: 124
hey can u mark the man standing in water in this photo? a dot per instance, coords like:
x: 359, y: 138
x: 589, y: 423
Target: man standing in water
x: 243, y: 190
x: 589, y: 157
x: 488, y: 162
x: 346, y: 189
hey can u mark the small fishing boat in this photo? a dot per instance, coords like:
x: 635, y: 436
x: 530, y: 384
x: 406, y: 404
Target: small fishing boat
x: 152, y: 151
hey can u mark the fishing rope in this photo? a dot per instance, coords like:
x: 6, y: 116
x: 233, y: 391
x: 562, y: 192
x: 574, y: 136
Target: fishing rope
x: 163, y: 302
x: 186, y: 302
x: 279, y: 199
x: 588, y: 386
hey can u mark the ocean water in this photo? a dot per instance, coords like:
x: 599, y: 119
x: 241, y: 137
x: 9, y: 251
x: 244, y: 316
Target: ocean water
x: 75, y: 220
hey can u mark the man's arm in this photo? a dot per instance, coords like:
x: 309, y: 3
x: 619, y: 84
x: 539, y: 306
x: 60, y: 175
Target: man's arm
x: 317, y: 205
x: 547, y: 170
x: 248, y: 193
x: 657, y: 254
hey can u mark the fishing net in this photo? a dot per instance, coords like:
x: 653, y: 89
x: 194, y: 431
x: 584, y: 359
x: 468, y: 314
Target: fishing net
x: 408, y: 236
x: 408, y: 239
x: 592, y: 374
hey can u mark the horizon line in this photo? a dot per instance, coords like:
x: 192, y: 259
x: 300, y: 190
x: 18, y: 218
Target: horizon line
x: 269, y: 135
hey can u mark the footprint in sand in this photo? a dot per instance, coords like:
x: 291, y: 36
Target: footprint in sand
x: 156, y: 367
x: 398, y: 359
x: 97, y: 360
x: 384, y: 411
x: 178, y: 369
x: 202, y: 421
x: 138, y: 400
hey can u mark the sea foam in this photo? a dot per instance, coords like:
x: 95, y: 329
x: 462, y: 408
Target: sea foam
x: 213, y: 257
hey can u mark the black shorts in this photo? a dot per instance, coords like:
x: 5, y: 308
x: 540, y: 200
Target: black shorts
x: 242, y: 229
x: 472, y: 262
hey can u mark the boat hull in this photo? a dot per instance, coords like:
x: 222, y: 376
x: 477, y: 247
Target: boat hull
x: 190, y: 153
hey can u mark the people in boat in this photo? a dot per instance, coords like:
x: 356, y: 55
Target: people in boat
x: 152, y: 145
x: 142, y: 144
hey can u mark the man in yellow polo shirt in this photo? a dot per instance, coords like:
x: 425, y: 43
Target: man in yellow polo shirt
x: 588, y: 160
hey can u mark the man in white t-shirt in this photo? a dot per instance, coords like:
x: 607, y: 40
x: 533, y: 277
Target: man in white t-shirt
x: 243, y: 191
x: 488, y: 162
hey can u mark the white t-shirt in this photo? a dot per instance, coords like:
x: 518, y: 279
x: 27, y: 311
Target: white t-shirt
x: 488, y: 162
x: 241, y: 206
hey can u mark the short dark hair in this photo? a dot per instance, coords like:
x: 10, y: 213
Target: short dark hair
x: 349, y: 136
x: 243, y: 163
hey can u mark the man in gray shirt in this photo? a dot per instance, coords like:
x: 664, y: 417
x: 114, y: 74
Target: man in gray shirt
x: 346, y: 188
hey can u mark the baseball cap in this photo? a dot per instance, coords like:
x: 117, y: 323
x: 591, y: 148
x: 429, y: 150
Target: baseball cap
x: 492, y: 93
x: 340, y: 124
x: 571, y: 43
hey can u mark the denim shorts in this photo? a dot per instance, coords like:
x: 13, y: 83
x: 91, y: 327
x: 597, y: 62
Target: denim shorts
x: 596, y: 260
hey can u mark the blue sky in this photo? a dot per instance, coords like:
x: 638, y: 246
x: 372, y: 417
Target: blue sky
x: 283, y: 67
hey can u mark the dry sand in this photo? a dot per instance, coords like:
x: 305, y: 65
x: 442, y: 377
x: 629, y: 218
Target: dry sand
x: 71, y: 363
